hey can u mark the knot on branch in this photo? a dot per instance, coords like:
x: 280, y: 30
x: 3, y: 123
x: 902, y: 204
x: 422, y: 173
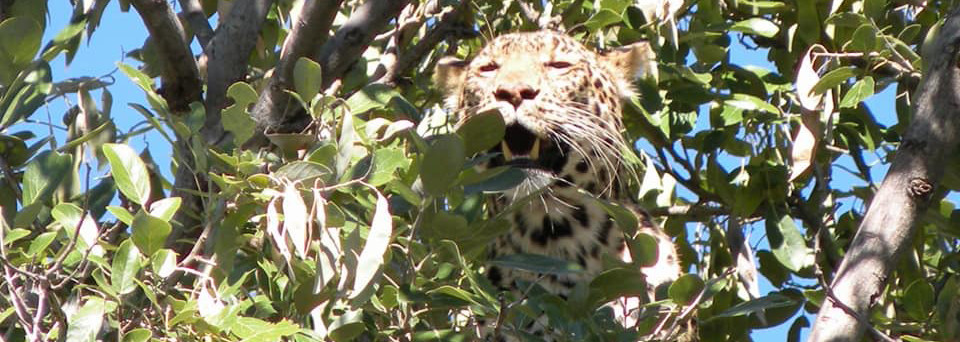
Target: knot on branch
x: 920, y: 188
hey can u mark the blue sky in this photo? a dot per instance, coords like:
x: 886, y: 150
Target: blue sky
x: 122, y: 32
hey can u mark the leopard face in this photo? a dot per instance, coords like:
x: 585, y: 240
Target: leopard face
x: 561, y: 104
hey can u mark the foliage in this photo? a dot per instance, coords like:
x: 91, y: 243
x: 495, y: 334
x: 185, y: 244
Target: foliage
x: 373, y: 224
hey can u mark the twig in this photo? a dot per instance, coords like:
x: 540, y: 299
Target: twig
x: 440, y: 31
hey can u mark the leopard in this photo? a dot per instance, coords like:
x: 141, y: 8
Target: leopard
x: 561, y: 105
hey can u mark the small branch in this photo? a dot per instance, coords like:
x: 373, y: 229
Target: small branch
x: 180, y: 75
x: 193, y: 12
x: 440, y: 31
x: 688, y: 210
x: 355, y: 35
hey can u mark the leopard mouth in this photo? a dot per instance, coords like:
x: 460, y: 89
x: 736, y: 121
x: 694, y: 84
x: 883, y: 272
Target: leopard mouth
x: 524, y: 149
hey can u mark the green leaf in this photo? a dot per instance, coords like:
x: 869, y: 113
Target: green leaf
x: 386, y: 161
x: 373, y: 96
x: 834, y: 78
x: 347, y: 326
x: 756, y: 26
x: 129, y: 171
x: 85, y: 323
x: 644, y: 250
x: 235, y: 118
x: 625, y: 219
x: 121, y: 213
x: 858, y: 92
x: 19, y: 42
x: 787, y: 242
x: 454, y: 292
x: 616, y: 283
x: 482, y: 131
x: 44, y: 174
x: 40, y: 243
x: 602, y: 19
x: 137, y: 335
x: 306, y: 78
x: 149, y: 233
x: 864, y: 39
x: 158, y: 103
x: 27, y: 215
x: 126, y: 265
x: 255, y: 330
x: 442, y: 164
x: 918, y: 299
x: 685, y: 289
x: 537, y: 263
x: 7, y: 238
x: 164, y: 262
x: 757, y: 305
x: 165, y: 209
x: 750, y: 102
x: 371, y: 257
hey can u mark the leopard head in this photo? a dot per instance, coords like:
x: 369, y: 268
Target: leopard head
x: 560, y: 102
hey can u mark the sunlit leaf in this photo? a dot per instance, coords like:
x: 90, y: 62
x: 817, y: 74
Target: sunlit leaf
x: 378, y: 239
x: 757, y: 26
x: 441, y: 164
x: 149, y: 233
x: 295, y: 219
x: 126, y: 265
x: 84, y: 325
x: 306, y: 78
x: 129, y: 172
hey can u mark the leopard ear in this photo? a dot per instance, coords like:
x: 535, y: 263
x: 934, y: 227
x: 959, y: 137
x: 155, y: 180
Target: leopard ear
x: 636, y: 60
x: 449, y: 73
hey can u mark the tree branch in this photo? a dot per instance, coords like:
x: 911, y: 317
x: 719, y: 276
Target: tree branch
x: 227, y: 56
x: 310, y: 29
x: 355, y: 35
x: 193, y: 12
x: 891, y: 221
x: 442, y: 29
x: 181, y: 84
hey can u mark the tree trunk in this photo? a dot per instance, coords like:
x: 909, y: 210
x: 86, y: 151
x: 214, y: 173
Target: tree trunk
x: 891, y: 220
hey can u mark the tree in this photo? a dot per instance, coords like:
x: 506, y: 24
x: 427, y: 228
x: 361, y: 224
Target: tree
x: 318, y: 191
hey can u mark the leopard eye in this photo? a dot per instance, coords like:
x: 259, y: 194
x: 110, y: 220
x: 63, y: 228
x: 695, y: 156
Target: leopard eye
x: 489, y: 67
x: 559, y: 64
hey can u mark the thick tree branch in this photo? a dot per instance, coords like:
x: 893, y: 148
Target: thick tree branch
x: 180, y: 75
x: 310, y: 30
x: 193, y: 12
x: 274, y: 111
x: 355, y: 35
x: 227, y: 56
x: 891, y: 221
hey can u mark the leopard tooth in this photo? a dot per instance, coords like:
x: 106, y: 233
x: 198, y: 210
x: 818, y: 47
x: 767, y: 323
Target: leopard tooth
x: 507, y: 155
x: 535, y: 151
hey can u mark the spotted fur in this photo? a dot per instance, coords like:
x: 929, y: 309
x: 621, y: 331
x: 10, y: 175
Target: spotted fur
x: 553, y: 91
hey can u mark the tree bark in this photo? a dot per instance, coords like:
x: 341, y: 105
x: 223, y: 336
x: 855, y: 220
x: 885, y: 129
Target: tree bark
x: 193, y: 13
x: 273, y: 110
x: 891, y: 220
x: 181, y: 84
x: 227, y: 55
x: 310, y: 31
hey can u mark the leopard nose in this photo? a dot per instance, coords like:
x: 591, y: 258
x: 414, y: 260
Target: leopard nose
x: 515, y: 94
